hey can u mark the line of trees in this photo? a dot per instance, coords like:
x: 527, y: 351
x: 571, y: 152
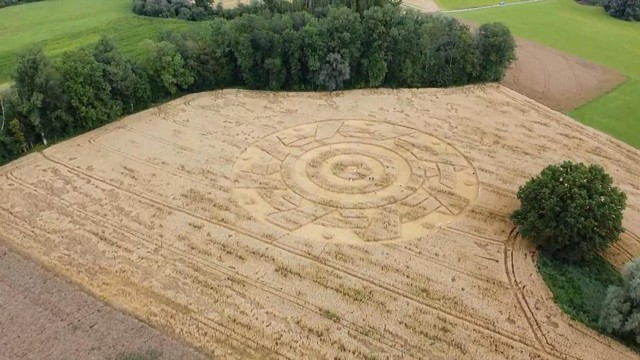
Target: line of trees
x: 5, y: 3
x: 623, y: 9
x: 628, y: 10
x: 199, y: 10
x: 341, y: 49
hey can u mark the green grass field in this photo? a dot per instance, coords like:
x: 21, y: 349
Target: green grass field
x: 588, y: 32
x: 60, y: 25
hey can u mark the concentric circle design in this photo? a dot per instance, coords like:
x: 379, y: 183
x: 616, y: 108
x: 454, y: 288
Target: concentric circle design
x: 354, y: 180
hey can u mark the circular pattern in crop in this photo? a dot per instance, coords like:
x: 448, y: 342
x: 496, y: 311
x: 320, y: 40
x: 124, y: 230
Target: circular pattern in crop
x: 354, y: 180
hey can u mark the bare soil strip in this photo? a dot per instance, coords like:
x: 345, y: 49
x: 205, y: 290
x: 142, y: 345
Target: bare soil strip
x: 558, y: 80
x: 45, y: 317
x: 291, y: 225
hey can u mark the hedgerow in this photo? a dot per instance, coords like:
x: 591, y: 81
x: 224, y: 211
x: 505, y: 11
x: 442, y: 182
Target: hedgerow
x: 5, y: 3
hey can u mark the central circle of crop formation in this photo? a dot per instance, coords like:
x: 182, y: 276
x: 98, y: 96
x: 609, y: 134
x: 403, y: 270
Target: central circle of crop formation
x: 350, y: 167
x: 354, y: 181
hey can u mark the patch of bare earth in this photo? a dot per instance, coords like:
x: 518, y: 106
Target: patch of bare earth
x: 364, y: 224
x: 558, y: 80
x: 45, y: 317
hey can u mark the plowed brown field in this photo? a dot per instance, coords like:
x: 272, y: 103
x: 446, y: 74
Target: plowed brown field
x: 45, y: 317
x: 365, y: 224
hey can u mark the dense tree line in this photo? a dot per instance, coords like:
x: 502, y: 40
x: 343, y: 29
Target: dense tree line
x: 623, y: 9
x: 5, y: 3
x: 337, y: 49
x: 198, y: 10
x: 183, y: 9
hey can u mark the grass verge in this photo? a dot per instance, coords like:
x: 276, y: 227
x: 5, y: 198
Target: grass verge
x: 587, y: 32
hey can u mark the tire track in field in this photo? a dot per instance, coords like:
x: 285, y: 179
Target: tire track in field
x: 200, y: 260
x: 573, y: 126
x: 625, y: 252
x: 476, y: 236
x: 218, y: 327
x: 92, y: 141
x: 320, y: 262
x: 521, y: 299
x: 514, y: 239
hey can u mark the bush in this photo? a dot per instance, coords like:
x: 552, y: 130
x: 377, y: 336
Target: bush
x: 623, y: 9
x: 497, y: 47
x: 571, y: 210
x: 621, y: 308
x: 579, y: 289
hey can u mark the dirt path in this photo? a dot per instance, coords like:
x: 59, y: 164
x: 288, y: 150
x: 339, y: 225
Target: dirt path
x: 210, y: 216
x: 44, y: 317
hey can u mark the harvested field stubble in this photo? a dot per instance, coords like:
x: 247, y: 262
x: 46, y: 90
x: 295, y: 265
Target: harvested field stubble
x: 357, y: 224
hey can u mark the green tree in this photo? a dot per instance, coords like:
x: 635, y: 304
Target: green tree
x: 89, y: 95
x: 497, y: 50
x: 571, y: 210
x: 405, y: 63
x: 128, y: 82
x: 334, y: 73
x: 293, y: 55
x: 38, y: 95
x: 341, y: 31
x: 449, y: 57
x: 17, y: 136
x: 258, y: 46
x: 378, y: 24
x: 166, y: 68
x: 314, y: 50
x: 208, y: 55
x: 620, y: 314
x: 623, y: 9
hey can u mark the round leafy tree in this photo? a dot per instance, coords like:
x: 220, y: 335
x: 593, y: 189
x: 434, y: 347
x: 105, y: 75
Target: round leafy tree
x: 571, y: 211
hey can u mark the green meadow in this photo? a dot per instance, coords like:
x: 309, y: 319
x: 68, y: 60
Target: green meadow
x: 61, y: 25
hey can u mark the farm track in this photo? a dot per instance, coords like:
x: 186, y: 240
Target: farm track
x: 516, y: 287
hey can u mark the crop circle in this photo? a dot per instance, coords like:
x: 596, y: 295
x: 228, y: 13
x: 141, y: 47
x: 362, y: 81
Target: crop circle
x: 354, y: 180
